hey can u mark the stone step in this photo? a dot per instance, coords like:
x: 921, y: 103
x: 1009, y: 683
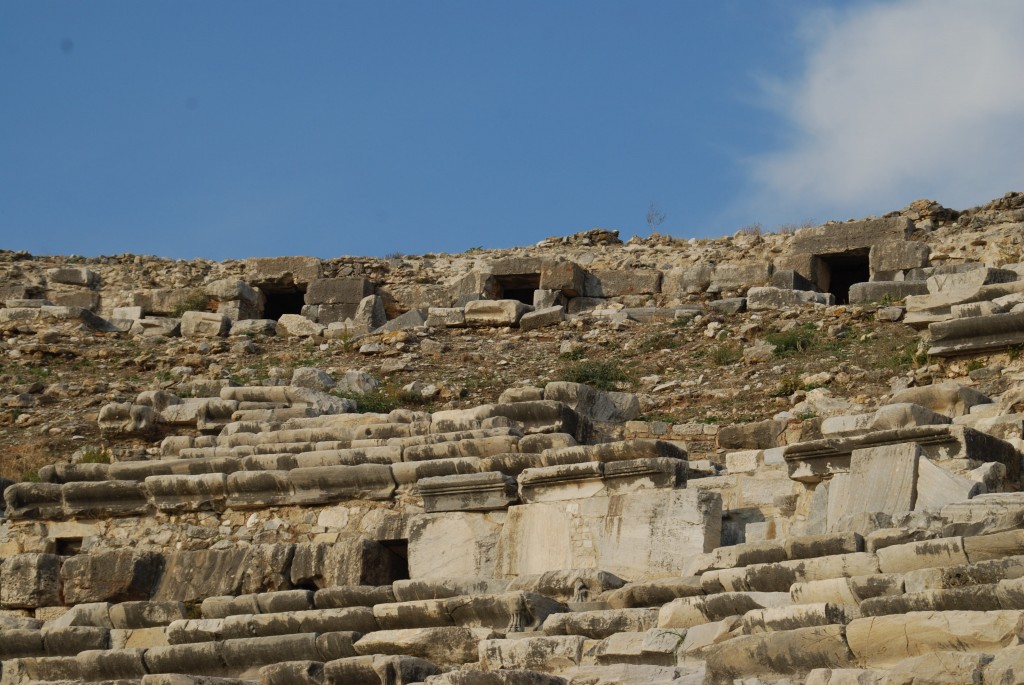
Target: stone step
x: 378, y: 669
x: 597, y: 625
x: 352, y: 620
x: 444, y: 646
x: 498, y: 677
x: 687, y: 612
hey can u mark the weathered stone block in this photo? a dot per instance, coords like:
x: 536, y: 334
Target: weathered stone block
x: 29, y: 581
x: 630, y: 534
x: 121, y: 576
x: 495, y: 312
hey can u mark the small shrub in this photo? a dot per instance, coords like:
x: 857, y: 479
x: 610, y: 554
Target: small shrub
x: 750, y: 230
x: 724, y: 355
x: 659, y: 341
x: 380, y: 401
x: 394, y: 255
x: 94, y: 454
x: 600, y: 374
x: 197, y: 301
x: 787, y: 386
x: 573, y: 355
x: 31, y: 477
x: 794, y: 341
x: 975, y: 365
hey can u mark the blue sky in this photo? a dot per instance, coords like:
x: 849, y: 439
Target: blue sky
x: 232, y: 129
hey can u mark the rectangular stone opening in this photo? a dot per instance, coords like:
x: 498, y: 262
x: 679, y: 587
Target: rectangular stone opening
x: 517, y: 287
x: 398, y: 562
x: 67, y: 547
x: 843, y: 270
x: 280, y: 301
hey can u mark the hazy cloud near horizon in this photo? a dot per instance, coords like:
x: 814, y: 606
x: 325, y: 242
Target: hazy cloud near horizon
x: 896, y: 101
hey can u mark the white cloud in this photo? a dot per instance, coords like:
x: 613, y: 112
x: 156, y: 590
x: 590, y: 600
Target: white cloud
x: 896, y: 101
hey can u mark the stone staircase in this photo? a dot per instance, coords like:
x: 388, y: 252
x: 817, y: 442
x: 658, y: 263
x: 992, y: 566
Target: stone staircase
x: 494, y: 545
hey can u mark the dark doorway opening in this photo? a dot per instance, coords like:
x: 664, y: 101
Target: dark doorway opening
x: 844, y: 270
x: 518, y: 287
x: 67, y: 547
x: 396, y: 563
x: 279, y: 302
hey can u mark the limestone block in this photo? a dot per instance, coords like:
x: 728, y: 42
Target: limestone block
x: 850, y: 235
x: 202, y: 657
x: 629, y: 534
x: 293, y: 672
x: 562, y: 482
x: 342, y: 597
x: 881, y: 291
x: 470, y: 447
x: 468, y: 492
x: 768, y: 298
x: 937, y: 487
x: 30, y: 581
x: 539, y: 318
x: 282, y: 271
x: 786, y: 652
x: 111, y: 664
x: 338, y: 290
x: 993, y: 546
x: 297, y: 326
x: 738, y: 276
x: 414, y: 318
x: 969, y: 280
x: 352, y: 560
x: 597, y: 625
x: 70, y: 640
x: 204, y: 325
x: 42, y: 669
x: 949, y: 398
x: 564, y: 276
x: 575, y: 585
x: 124, y: 418
x: 446, y: 317
x: 73, y: 275
x: 599, y: 405
x: 980, y: 573
x: 898, y: 256
x: 34, y: 501
x: 495, y: 312
x: 692, y: 279
x: 118, y: 576
x: 607, y: 452
x: 499, y: 677
x: 686, y: 612
x: 1007, y: 666
x: 924, y: 554
x: 442, y: 646
x: 153, y: 326
x: 881, y: 479
x: 878, y: 640
x: 142, y: 614
x: 976, y: 334
x: 254, y: 327
x: 508, y: 612
x: 369, y: 314
x: 454, y: 544
x: 779, y: 577
x: 551, y: 654
x: 324, y: 484
x: 974, y: 598
x: 423, y: 613
x: 621, y: 282
x: 20, y: 643
x: 810, y: 546
x: 103, y: 499
x: 83, y: 299
x: 376, y: 669
x: 797, y: 616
